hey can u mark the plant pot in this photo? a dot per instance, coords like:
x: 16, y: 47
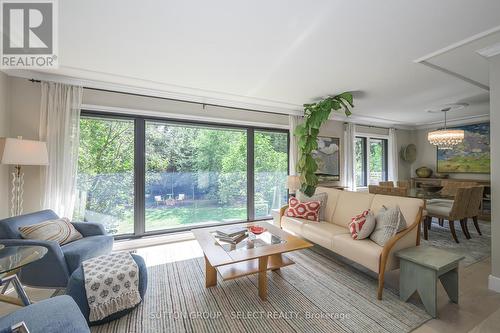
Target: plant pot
x: 423, y: 172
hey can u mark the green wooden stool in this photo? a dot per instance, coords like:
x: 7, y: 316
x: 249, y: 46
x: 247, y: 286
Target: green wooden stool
x: 421, y: 267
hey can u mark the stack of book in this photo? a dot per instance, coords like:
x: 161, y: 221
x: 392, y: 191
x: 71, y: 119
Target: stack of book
x: 232, y: 235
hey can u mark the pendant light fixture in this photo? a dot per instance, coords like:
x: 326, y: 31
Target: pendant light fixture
x: 446, y: 138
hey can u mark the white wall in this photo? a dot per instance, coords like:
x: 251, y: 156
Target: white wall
x: 495, y: 171
x: 4, y: 132
x: 427, y: 156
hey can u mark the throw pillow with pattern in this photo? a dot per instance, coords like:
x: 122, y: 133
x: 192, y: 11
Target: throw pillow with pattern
x: 60, y: 230
x: 362, y: 225
x: 303, y: 210
x: 390, y: 221
x: 321, y: 197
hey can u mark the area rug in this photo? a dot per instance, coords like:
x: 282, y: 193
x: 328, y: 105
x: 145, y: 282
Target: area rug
x: 317, y: 294
x: 474, y: 250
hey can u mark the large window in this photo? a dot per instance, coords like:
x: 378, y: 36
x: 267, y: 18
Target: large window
x: 370, y: 160
x: 106, y: 174
x: 194, y: 175
x: 271, y: 170
x: 138, y: 175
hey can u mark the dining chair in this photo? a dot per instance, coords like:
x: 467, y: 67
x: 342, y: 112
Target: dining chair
x: 473, y: 208
x: 456, y: 212
x: 386, y: 184
x: 403, y: 183
x: 394, y: 191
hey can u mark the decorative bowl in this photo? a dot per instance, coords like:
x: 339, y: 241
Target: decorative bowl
x: 424, y: 172
x: 257, y: 230
x: 429, y: 188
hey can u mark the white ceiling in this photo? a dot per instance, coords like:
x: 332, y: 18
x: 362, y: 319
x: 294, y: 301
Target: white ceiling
x: 280, y: 53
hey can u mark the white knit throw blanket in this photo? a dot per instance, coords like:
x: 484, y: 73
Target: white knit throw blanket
x: 111, y: 283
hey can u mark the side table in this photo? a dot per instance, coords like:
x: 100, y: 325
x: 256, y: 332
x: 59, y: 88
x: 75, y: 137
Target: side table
x: 421, y: 267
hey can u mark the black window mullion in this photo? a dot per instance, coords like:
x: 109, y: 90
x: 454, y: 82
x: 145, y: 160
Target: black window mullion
x: 250, y: 175
x: 140, y: 177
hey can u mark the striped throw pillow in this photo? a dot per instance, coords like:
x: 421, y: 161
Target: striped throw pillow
x: 60, y: 230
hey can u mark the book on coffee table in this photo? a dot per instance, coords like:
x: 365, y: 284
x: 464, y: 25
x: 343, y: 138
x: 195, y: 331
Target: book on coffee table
x: 231, y: 231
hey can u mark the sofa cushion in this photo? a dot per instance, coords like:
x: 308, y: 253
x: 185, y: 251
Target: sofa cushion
x: 322, y: 197
x: 362, y: 225
x: 56, y: 314
x: 57, y: 230
x: 322, y: 233
x: 350, y: 204
x: 409, y: 206
x: 304, y: 210
x: 293, y: 224
x: 364, y: 251
x: 331, y: 202
x: 86, y: 248
x: 390, y: 221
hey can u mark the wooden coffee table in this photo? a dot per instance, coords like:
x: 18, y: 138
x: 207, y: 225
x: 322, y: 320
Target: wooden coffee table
x: 232, y: 264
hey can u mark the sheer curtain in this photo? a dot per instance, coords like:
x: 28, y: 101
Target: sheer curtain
x: 293, y: 121
x: 349, y: 175
x: 60, y: 128
x: 393, y: 156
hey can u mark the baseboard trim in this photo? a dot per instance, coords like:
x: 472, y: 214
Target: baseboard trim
x: 494, y: 283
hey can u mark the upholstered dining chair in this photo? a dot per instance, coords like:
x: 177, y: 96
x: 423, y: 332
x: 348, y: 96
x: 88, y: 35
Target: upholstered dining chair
x: 394, y: 191
x: 455, y: 212
x: 403, y: 183
x: 473, y: 208
x: 55, y: 268
x: 386, y: 184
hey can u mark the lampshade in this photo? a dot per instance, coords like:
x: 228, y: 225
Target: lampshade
x: 293, y: 183
x: 446, y: 138
x: 23, y: 152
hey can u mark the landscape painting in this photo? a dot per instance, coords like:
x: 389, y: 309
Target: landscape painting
x: 327, y: 158
x: 470, y: 156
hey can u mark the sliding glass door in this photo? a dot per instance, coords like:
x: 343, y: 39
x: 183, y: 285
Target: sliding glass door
x: 194, y: 175
x: 138, y: 175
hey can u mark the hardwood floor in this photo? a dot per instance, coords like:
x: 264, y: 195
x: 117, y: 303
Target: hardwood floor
x: 477, y: 311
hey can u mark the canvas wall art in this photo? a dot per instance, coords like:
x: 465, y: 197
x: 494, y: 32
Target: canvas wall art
x: 327, y: 158
x: 471, y: 156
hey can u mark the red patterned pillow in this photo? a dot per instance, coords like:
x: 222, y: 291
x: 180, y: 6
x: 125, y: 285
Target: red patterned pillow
x: 304, y: 210
x: 362, y: 225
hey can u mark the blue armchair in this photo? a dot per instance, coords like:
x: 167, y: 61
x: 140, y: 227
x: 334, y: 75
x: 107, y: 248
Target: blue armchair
x: 54, y: 315
x: 55, y: 268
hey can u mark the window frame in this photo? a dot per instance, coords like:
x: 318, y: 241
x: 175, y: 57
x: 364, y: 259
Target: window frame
x: 140, y: 167
x: 367, y: 137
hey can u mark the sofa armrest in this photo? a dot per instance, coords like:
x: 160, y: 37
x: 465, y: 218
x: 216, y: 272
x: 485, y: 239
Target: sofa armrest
x: 404, y: 239
x: 282, y: 212
x: 88, y: 229
x: 53, y: 265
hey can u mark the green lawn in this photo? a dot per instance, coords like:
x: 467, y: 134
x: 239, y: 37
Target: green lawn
x: 170, y: 217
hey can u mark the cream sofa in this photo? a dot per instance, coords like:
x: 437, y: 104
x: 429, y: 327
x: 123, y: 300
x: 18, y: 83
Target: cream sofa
x: 334, y: 234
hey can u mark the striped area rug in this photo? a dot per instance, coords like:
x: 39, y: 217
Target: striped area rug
x: 317, y: 294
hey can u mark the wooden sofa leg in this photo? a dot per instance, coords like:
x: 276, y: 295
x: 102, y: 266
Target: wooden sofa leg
x: 380, y: 285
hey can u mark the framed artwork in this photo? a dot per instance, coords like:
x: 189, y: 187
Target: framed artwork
x: 470, y: 156
x: 328, y: 159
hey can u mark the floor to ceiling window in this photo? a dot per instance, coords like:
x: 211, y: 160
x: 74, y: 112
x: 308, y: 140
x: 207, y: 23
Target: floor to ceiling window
x: 370, y: 160
x: 271, y: 170
x: 139, y: 175
x: 105, y: 181
x: 194, y: 174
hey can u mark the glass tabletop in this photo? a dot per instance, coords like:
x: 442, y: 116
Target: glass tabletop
x: 13, y: 257
x: 251, y: 241
x: 425, y: 194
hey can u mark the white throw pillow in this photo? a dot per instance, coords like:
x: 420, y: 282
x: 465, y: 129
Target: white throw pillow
x: 390, y: 221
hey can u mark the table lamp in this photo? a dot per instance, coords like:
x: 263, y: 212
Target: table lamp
x: 19, y: 152
x: 293, y: 184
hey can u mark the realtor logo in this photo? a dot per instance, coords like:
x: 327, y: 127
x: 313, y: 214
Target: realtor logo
x: 29, y: 34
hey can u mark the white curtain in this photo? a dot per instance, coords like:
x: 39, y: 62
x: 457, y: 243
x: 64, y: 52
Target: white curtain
x: 393, y: 156
x: 349, y: 137
x: 293, y: 122
x: 60, y: 128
